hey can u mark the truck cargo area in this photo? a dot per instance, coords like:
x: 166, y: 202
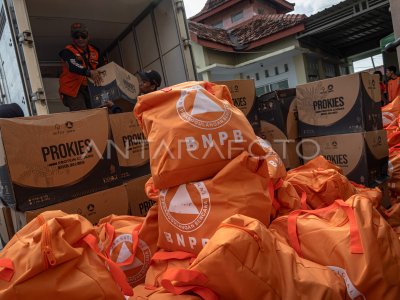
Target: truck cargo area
x: 140, y: 34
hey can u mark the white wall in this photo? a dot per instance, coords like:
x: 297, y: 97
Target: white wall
x: 291, y: 75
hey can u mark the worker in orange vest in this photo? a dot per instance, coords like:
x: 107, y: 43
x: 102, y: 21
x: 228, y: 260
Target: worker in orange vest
x: 80, y: 60
x: 393, y: 83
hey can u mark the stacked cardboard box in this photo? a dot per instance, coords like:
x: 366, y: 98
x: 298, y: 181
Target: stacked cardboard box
x: 49, y: 159
x: 82, y: 162
x: 277, y: 112
x: 244, y: 97
x: 340, y: 118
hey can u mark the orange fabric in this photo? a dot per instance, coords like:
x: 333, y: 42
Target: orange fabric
x: 394, y: 171
x: 142, y: 292
x: 162, y: 261
x: 393, y: 89
x: 393, y: 138
x: 130, y: 242
x: 288, y: 198
x: 391, y: 112
x: 193, y: 130
x: 151, y: 191
x: 374, y: 194
x: 353, y: 239
x: 392, y: 215
x: 321, y: 181
x: 276, y: 167
x: 245, y: 260
x: 55, y: 257
x: 71, y: 82
x: 189, y: 214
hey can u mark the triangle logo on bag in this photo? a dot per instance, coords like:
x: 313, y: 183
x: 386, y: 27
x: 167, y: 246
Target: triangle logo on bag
x: 186, y: 207
x: 203, y: 104
x: 124, y: 253
x: 181, y: 203
x: 202, y: 109
x: 121, y: 250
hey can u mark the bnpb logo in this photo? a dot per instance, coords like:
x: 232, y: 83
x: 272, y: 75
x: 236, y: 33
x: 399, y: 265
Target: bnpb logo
x: 121, y: 250
x: 201, y: 109
x: 186, y: 207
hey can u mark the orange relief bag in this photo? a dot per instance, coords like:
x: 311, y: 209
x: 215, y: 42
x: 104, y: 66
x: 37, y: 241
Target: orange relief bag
x: 390, y: 112
x: 162, y: 261
x: 352, y: 239
x: 130, y: 242
x: 394, y: 170
x: 193, y: 130
x: 189, y: 214
x: 142, y: 292
x: 245, y: 260
x: 321, y: 181
x: 56, y: 256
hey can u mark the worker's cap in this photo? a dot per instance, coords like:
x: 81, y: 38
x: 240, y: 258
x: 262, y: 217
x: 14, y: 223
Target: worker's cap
x: 151, y: 76
x: 78, y: 28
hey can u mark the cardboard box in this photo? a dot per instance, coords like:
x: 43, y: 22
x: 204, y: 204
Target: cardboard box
x: 93, y: 207
x: 6, y: 225
x: 131, y: 146
x: 139, y: 203
x: 53, y: 158
x: 244, y: 97
x: 362, y: 156
x: 279, y: 109
x: 345, y: 104
x: 117, y: 84
x: 287, y: 149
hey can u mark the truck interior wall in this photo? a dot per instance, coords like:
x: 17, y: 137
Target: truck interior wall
x: 154, y: 43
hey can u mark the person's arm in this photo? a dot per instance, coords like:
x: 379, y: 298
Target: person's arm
x: 73, y: 65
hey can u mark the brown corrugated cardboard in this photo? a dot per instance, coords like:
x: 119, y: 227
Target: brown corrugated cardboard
x: 286, y: 148
x: 57, y: 157
x: 244, y: 97
x: 117, y: 84
x: 138, y: 201
x: 362, y: 156
x: 279, y: 109
x: 131, y: 145
x: 93, y: 207
x: 6, y: 225
x: 339, y: 105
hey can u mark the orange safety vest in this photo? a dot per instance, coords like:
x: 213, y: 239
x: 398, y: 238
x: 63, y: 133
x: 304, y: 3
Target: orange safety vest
x: 71, y: 82
x: 393, y: 88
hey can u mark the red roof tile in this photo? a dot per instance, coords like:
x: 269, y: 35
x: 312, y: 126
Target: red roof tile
x: 211, y: 4
x: 258, y: 27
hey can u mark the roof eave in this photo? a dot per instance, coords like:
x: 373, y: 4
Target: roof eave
x: 202, y: 16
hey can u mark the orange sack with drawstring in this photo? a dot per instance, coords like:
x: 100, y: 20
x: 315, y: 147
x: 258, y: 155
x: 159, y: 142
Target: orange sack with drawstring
x: 193, y: 130
x: 277, y: 170
x: 55, y: 256
x: 245, y: 260
x: 322, y: 182
x: 189, y: 214
x: 394, y: 170
x: 352, y: 239
x: 130, y: 242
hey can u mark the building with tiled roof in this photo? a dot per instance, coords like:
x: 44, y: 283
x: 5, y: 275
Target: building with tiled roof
x: 239, y: 39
